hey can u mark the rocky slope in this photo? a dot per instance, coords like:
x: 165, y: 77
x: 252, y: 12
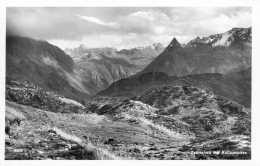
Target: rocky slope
x: 167, y: 123
x: 47, y: 66
x: 104, y: 66
x: 227, y: 39
x: 235, y: 86
x: 220, y: 53
x: 198, y: 117
x: 26, y: 93
x: 33, y: 134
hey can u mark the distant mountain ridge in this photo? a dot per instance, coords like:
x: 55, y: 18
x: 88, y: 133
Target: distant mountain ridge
x: 83, y: 50
x: 104, y: 66
x: 154, y: 46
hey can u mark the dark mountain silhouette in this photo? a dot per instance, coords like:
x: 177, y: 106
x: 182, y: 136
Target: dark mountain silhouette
x: 174, y: 44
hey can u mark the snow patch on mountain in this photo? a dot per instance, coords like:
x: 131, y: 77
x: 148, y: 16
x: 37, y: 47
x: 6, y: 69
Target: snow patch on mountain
x: 154, y: 46
x: 225, y: 40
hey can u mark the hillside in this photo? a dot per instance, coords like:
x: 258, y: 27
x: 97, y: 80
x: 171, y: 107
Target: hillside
x: 234, y: 86
x: 46, y: 66
x: 184, y: 112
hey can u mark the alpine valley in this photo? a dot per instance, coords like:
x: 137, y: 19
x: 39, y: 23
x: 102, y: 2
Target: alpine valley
x: 185, y: 101
x: 104, y: 66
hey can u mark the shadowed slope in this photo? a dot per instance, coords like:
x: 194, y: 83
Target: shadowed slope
x: 47, y: 66
x: 235, y: 86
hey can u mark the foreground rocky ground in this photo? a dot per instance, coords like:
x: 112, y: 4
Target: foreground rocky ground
x: 167, y: 123
x: 210, y: 123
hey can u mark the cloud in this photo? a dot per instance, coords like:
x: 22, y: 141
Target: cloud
x: 123, y: 27
x: 207, y: 21
x: 152, y: 16
x: 144, y: 22
x: 45, y: 23
x: 51, y: 23
x: 100, y: 22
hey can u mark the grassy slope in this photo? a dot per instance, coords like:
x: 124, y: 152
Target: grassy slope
x: 117, y: 139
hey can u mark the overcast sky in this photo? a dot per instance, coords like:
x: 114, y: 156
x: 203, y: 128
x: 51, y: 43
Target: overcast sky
x: 123, y: 27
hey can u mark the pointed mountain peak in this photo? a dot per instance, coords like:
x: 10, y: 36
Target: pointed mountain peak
x: 174, y: 43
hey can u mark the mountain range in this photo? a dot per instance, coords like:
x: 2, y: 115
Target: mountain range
x: 83, y: 72
x: 104, y: 66
x: 220, y: 53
